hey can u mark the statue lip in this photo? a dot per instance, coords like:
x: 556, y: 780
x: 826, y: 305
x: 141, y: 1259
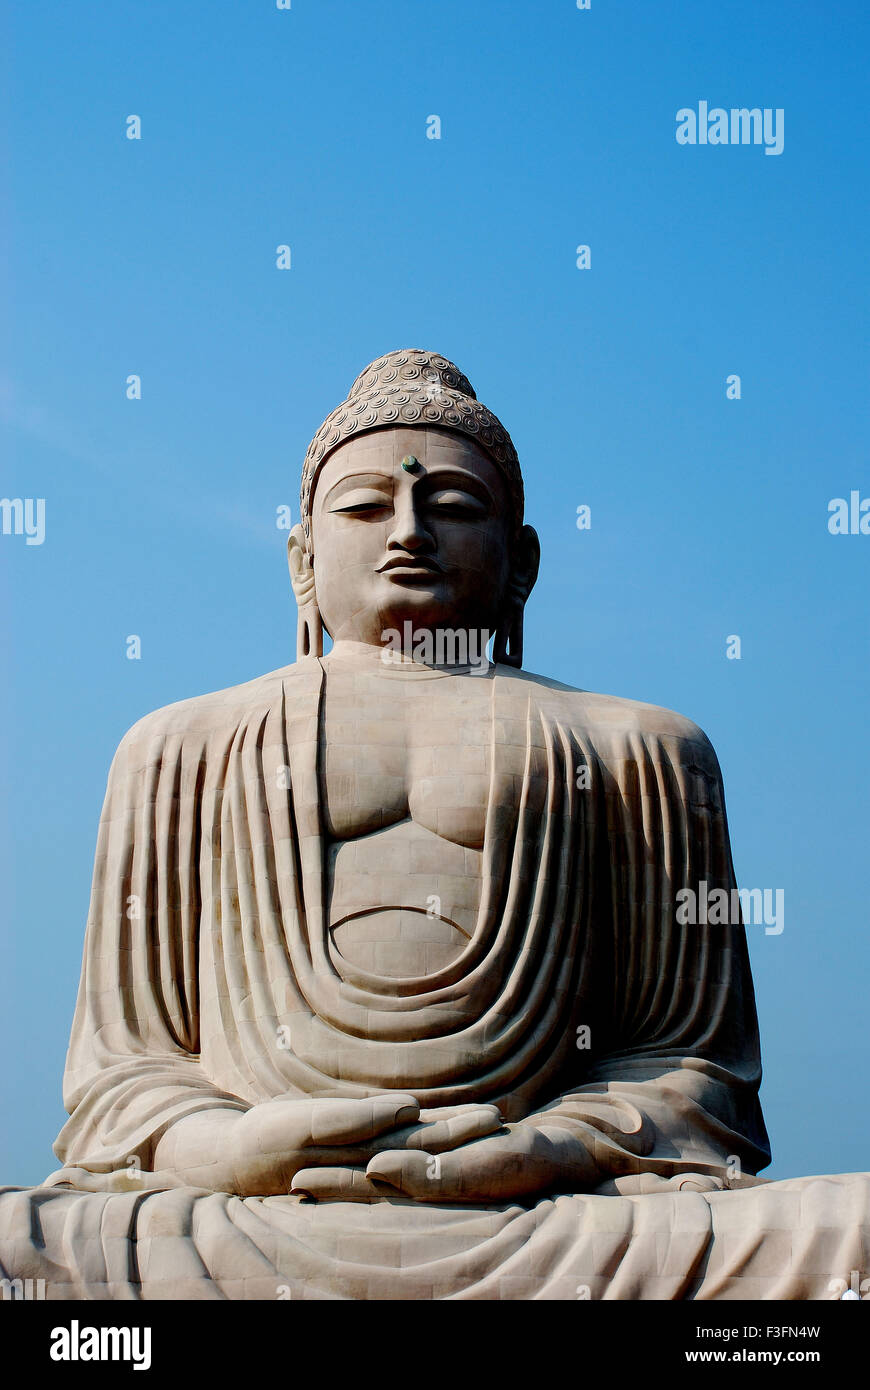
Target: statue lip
x: 410, y: 564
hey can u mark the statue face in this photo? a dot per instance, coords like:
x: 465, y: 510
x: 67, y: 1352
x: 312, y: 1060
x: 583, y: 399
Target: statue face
x: 429, y: 542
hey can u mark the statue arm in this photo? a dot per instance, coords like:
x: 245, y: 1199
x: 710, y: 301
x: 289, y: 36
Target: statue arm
x: 143, y: 1112
x: 133, y: 1066
x: 671, y: 1084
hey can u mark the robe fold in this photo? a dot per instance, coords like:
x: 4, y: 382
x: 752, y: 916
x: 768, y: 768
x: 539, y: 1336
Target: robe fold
x: 210, y: 980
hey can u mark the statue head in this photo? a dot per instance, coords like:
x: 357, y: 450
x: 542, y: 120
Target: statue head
x: 412, y: 512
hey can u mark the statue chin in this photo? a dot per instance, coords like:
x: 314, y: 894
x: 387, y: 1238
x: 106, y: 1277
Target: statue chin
x: 396, y: 942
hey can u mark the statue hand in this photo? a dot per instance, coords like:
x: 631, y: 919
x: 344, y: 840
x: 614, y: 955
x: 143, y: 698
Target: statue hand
x: 258, y: 1151
x: 521, y: 1160
x: 273, y: 1140
x: 255, y: 1152
x: 642, y: 1184
x: 278, y: 1138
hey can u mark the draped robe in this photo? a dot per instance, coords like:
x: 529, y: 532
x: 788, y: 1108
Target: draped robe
x: 210, y: 980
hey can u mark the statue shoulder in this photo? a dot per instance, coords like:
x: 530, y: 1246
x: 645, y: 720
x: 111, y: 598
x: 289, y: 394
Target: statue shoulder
x: 653, y: 722
x: 609, y: 719
x: 200, y: 716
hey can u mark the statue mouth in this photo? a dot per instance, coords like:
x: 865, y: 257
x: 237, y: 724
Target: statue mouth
x: 407, y: 567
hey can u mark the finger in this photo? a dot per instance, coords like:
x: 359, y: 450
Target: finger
x: 347, y: 1155
x: 447, y: 1112
x: 438, y: 1135
x: 696, y: 1182
x: 404, y: 1171
x: 433, y: 1177
x: 497, y: 1168
x: 435, y: 1137
x: 633, y: 1185
x: 336, y: 1184
x: 443, y: 1135
x: 354, y: 1121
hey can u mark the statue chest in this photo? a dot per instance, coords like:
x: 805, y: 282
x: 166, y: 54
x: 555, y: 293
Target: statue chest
x: 405, y: 784
x: 418, y: 749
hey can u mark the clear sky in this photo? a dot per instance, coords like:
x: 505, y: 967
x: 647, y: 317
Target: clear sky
x: 308, y: 127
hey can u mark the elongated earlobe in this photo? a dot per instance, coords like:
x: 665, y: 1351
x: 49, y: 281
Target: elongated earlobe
x: 309, y: 632
x: 508, y: 645
x: 507, y: 649
x: 309, y: 625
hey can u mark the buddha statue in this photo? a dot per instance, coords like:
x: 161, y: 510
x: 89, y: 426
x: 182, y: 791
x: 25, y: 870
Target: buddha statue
x: 385, y: 993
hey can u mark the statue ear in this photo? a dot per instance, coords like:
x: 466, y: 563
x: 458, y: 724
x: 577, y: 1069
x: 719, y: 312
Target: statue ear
x: 309, y: 628
x: 301, y: 565
x: 525, y: 559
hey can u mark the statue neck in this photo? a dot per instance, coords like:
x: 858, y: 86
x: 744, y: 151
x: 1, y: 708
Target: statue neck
x: 390, y: 661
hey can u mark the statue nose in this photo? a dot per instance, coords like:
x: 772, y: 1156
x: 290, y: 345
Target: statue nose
x: 409, y: 532
x: 406, y: 540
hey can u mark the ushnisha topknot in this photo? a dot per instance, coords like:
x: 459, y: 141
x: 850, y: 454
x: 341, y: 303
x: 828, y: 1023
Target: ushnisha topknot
x: 412, y: 387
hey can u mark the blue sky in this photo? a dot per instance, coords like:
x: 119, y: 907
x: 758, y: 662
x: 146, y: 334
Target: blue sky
x: 709, y: 517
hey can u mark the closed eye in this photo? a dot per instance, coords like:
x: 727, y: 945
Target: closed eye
x: 456, y: 503
x: 362, y: 507
x: 362, y: 502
